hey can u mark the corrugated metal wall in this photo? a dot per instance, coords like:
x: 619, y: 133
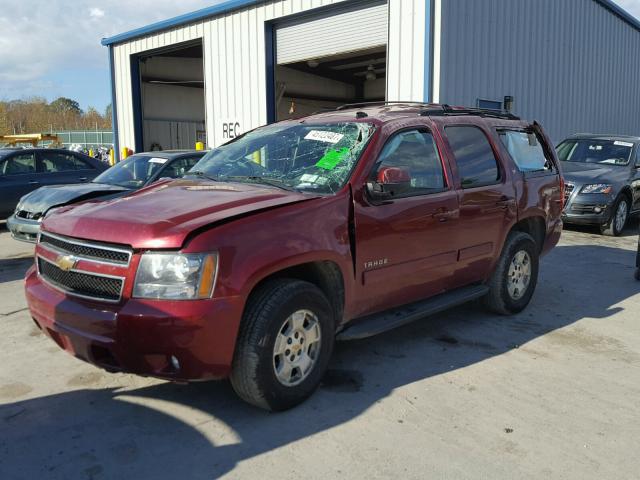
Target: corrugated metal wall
x: 571, y: 64
x: 235, y: 61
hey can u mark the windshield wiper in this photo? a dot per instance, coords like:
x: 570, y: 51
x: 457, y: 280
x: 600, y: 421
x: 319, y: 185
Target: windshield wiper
x: 263, y: 180
x: 201, y: 174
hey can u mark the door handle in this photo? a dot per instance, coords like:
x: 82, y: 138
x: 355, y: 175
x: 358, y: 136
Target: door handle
x: 34, y: 182
x: 83, y: 179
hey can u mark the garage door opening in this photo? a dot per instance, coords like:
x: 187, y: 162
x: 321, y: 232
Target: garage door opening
x: 327, y: 60
x: 324, y: 83
x: 172, y: 107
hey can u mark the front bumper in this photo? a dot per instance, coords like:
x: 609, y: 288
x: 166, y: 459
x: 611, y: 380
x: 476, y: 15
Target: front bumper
x: 588, y: 209
x: 140, y: 336
x: 23, y: 229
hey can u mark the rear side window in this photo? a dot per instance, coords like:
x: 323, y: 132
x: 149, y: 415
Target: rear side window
x: 19, y: 164
x: 526, y: 151
x: 477, y: 165
x: 61, y: 162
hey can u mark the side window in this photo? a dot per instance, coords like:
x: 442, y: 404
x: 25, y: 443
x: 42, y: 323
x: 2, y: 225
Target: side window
x: 178, y: 168
x: 82, y: 164
x: 526, y: 150
x: 19, y: 164
x: 53, y: 162
x: 477, y: 165
x: 638, y: 156
x: 415, y: 152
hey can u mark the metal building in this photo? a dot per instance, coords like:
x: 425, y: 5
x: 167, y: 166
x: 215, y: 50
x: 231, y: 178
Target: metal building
x: 574, y: 65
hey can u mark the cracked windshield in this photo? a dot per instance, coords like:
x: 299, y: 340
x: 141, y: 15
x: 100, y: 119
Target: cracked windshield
x: 316, y: 157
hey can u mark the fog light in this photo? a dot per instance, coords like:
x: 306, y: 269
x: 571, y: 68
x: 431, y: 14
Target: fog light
x: 598, y: 209
x: 174, y: 363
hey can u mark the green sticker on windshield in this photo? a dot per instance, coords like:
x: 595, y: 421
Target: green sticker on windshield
x: 332, y: 158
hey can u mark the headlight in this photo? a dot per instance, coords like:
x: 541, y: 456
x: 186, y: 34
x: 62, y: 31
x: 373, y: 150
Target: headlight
x: 597, y: 188
x: 176, y: 276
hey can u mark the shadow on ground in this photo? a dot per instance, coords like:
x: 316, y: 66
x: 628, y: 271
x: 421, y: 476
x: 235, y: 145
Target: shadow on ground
x: 203, y: 431
x: 14, y: 268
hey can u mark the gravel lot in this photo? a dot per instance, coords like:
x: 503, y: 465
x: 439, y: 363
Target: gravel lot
x: 550, y: 393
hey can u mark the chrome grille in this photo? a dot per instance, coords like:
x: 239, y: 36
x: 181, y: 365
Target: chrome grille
x: 86, y: 285
x: 94, y: 251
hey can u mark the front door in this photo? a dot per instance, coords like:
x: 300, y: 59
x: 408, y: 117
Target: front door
x: 404, y: 251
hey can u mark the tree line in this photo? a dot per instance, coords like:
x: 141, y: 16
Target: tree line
x: 36, y: 115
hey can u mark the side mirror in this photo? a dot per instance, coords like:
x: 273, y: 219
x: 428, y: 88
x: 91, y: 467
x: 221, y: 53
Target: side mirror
x: 390, y: 182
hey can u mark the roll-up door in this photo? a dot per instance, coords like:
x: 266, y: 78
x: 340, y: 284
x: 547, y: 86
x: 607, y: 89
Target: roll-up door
x: 359, y: 26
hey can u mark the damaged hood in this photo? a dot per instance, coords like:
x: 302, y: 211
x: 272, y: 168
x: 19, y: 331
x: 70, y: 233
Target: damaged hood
x: 163, y: 214
x: 45, y: 198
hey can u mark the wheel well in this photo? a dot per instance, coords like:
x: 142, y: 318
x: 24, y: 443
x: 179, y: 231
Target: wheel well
x: 534, y: 226
x: 627, y: 193
x: 325, y: 275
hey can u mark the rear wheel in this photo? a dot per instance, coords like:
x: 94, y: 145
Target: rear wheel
x: 619, y: 216
x: 514, y: 280
x: 284, y: 344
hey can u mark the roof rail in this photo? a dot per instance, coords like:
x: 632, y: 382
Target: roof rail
x: 434, y: 109
x: 381, y: 103
x: 446, y: 110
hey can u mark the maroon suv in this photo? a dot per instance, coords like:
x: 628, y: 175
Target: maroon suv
x: 338, y: 225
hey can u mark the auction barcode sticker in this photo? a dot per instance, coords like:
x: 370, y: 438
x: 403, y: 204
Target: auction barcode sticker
x: 324, y: 136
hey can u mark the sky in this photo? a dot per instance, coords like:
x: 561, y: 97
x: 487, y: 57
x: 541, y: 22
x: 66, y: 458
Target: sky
x: 52, y: 48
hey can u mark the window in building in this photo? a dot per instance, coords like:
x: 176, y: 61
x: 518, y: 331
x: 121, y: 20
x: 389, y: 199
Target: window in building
x: 489, y: 104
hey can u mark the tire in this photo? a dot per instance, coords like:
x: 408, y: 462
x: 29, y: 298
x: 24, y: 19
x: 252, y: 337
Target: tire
x: 506, y: 295
x: 614, y: 227
x: 268, y: 323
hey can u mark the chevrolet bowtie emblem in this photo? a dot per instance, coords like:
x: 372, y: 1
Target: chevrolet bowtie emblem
x: 66, y: 262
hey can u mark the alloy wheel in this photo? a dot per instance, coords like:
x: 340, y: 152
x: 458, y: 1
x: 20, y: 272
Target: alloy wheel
x: 297, y: 347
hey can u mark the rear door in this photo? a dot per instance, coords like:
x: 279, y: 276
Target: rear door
x: 59, y: 167
x: 404, y: 252
x: 486, y: 196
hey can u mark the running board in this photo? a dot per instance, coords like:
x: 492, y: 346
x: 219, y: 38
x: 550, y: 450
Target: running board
x: 389, y: 319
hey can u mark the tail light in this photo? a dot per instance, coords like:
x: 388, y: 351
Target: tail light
x: 562, y: 192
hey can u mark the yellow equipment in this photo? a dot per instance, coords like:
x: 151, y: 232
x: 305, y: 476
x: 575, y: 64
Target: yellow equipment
x: 32, y: 138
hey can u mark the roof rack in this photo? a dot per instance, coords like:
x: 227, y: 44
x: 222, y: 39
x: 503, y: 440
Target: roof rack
x: 381, y: 103
x: 446, y: 110
x: 435, y: 110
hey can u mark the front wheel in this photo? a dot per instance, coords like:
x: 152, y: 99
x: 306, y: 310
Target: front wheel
x: 514, y: 280
x: 619, y: 216
x: 284, y: 345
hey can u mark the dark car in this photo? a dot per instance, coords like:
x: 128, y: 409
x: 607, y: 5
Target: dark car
x: 339, y: 225
x: 602, y: 175
x: 22, y: 170
x: 131, y: 174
